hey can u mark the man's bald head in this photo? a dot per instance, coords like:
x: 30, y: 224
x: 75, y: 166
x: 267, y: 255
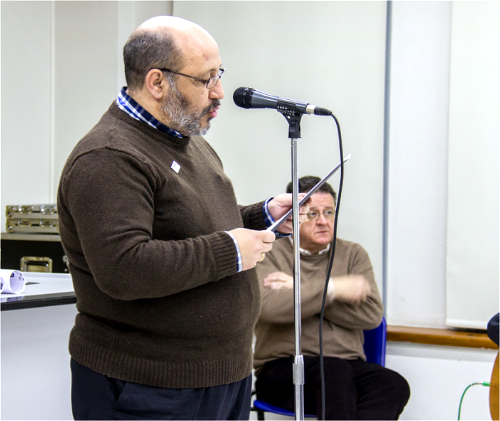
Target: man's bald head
x: 160, y: 42
x: 173, y: 23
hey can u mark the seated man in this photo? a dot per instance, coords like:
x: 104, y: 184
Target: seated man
x: 354, y: 389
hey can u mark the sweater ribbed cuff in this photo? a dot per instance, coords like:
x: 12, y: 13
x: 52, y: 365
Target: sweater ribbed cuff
x: 225, y: 255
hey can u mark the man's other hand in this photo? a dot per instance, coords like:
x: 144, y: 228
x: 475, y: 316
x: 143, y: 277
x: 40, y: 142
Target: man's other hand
x: 278, y: 280
x: 349, y: 288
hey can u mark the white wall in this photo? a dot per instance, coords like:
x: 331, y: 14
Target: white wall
x: 342, y: 47
x: 85, y: 72
x: 26, y: 103
x: 327, y: 53
x: 438, y: 375
x: 344, y: 41
x: 62, y: 67
x: 337, y: 60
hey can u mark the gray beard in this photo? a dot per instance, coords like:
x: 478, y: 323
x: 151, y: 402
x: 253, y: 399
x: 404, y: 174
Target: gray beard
x: 186, y: 122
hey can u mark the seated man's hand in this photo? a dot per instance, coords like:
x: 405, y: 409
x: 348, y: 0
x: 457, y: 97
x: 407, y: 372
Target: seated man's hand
x: 349, y: 288
x: 281, y: 204
x: 278, y: 280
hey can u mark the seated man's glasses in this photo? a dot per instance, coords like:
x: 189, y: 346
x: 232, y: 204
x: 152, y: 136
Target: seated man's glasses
x: 209, y: 83
x: 328, y: 214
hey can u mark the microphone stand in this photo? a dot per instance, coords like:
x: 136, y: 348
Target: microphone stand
x: 293, y: 118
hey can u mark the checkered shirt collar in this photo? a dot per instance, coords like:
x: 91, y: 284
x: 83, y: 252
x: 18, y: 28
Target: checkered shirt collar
x: 126, y: 103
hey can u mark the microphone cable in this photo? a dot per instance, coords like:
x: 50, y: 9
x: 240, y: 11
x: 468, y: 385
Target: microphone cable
x: 463, y: 394
x: 334, y: 242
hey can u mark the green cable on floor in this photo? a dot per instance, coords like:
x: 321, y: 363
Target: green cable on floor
x: 466, y: 389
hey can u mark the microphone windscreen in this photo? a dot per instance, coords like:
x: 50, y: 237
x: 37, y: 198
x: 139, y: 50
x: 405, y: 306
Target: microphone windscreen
x: 241, y: 97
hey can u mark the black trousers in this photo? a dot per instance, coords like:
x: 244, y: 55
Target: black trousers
x: 354, y: 389
x: 98, y: 397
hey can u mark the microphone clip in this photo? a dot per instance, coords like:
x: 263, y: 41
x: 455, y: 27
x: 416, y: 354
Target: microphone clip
x: 293, y: 119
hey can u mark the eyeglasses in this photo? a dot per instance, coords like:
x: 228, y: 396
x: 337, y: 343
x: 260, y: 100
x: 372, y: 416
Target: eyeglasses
x: 209, y: 83
x: 328, y: 214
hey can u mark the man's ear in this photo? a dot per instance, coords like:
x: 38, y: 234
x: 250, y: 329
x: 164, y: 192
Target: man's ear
x: 156, y: 83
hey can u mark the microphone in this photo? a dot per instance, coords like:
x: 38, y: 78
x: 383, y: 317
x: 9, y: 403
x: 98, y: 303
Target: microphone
x: 251, y: 98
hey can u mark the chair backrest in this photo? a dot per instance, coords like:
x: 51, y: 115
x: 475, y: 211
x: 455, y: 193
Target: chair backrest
x: 375, y: 343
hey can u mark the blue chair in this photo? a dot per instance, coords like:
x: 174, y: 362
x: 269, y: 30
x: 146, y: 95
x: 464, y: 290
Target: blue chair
x: 375, y: 341
x: 374, y: 347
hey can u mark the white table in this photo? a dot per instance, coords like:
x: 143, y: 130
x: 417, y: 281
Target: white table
x: 36, y: 378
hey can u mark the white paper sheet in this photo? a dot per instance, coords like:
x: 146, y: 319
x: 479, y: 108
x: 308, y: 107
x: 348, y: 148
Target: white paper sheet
x: 13, y: 281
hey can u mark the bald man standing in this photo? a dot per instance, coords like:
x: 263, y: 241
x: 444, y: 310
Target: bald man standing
x: 160, y: 253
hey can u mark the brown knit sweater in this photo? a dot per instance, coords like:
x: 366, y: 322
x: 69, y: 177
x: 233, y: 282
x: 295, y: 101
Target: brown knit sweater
x: 344, y: 323
x: 159, y: 299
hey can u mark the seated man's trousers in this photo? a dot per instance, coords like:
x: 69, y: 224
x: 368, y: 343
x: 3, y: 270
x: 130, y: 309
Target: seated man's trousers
x: 354, y: 389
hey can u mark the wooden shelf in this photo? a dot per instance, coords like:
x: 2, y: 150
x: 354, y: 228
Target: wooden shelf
x: 447, y: 337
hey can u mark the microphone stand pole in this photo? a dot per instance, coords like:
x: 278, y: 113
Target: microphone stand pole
x: 293, y: 119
